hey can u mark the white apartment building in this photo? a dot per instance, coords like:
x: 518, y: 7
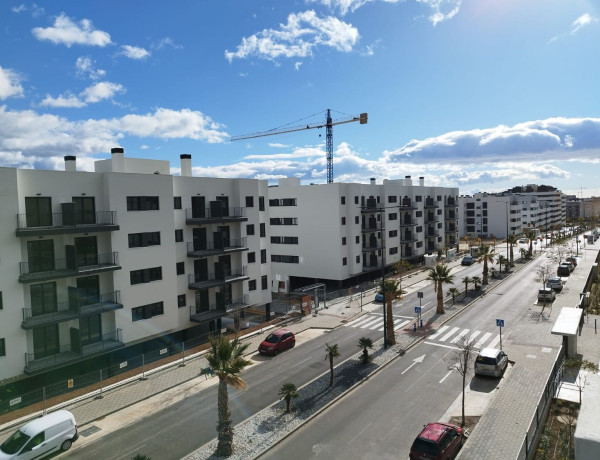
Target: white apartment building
x: 512, y: 212
x: 341, y: 233
x: 95, y: 262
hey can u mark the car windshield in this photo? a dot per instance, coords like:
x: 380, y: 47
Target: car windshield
x: 486, y: 360
x: 424, y: 446
x: 13, y: 444
x: 272, y: 338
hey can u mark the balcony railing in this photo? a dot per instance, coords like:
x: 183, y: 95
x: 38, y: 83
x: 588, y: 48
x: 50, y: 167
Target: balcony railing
x: 431, y: 233
x: 372, y: 227
x: 408, y: 205
x: 450, y: 202
x: 429, y: 203
x: 408, y: 238
x: 68, y: 353
x: 58, y: 223
x: 451, y: 229
x: 407, y: 223
x: 63, y: 268
x: 203, y: 313
x: 197, y: 249
x: 372, y: 247
x: 66, y: 311
x: 202, y: 281
x: 430, y: 219
x: 451, y: 215
x: 217, y: 214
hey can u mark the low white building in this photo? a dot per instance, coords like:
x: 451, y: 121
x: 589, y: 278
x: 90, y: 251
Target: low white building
x: 93, y: 262
x: 342, y: 233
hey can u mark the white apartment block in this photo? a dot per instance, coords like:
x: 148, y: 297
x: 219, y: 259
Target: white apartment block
x: 512, y: 212
x: 94, y: 262
x: 342, y: 233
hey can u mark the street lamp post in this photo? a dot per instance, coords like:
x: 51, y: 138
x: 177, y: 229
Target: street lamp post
x: 506, y: 204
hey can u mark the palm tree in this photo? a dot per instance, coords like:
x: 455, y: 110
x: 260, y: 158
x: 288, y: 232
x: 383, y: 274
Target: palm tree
x: 391, y: 291
x: 287, y: 392
x: 226, y: 360
x: 401, y: 267
x: 523, y: 253
x: 512, y: 240
x: 476, y: 282
x: 365, y: 343
x: 440, y: 275
x: 530, y: 234
x: 466, y: 280
x: 332, y: 352
x: 503, y: 261
x: 452, y: 292
x: 485, y: 254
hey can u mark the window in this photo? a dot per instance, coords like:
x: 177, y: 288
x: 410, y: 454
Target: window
x: 252, y: 285
x: 147, y: 311
x: 439, y: 198
x: 343, y: 221
x: 263, y: 256
x: 393, y: 251
x: 181, y: 300
x: 439, y: 212
x: 393, y: 233
x: 142, y: 240
x: 264, y: 282
x: 343, y: 241
x: 261, y: 203
x: 177, y: 202
x: 180, y: 267
x: 249, y: 201
x: 343, y: 200
x: 263, y: 230
x: 284, y: 221
x: 145, y: 275
x: 419, y: 229
x: 419, y: 213
x: 356, y: 220
x: 284, y: 240
x: 344, y: 261
x: 357, y: 239
x: 419, y: 244
x: 1, y: 303
x: 2, y: 347
x: 418, y: 198
x: 251, y: 257
x: 393, y: 216
x: 357, y: 259
x: 355, y: 199
x: 391, y: 198
x: 38, y: 211
x: 285, y: 259
x: 142, y: 203
x: 250, y: 229
x: 178, y: 236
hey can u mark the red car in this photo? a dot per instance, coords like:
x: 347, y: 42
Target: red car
x: 437, y: 441
x: 277, y: 341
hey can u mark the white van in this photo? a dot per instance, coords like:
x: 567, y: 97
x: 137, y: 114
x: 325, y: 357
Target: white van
x: 41, y: 437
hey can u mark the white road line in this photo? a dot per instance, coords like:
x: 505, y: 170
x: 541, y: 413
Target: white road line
x: 441, y: 345
x: 446, y: 376
x: 494, y: 342
x: 401, y: 325
x: 460, y: 335
x: 440, y: 330
x: 371, y: 322
x: 449, y: 334
x: 377, y: 324
x: 483, y: 339
x: 361, y: 321
x: 474, y: 335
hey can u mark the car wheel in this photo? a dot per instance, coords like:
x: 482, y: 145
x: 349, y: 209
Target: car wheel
x: 293, y: 344
x: 66, y: 445
x: 276, y: 352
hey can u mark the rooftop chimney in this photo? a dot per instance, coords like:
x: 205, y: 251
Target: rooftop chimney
x: 407, y: 180
x: 186, y: 164
x: 118, y: 159
x: 422, y: 181
x: 372, y: 181
x: 70, y: 164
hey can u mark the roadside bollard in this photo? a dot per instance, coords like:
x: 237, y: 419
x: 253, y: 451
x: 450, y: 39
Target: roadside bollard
x: 414, y: 327
x: 421, y: 323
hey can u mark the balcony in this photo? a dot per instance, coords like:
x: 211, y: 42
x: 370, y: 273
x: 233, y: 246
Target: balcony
x: 431, y: 233
x: 407, y: 252
x: 451, y: 229
x: 211, y: 248
x: 430, y: 219
x: 408, y: 205
x: 65, y: 268
x: 77, y: 308
x: 202, y: 314
x: 450, y: 215
x: 372, y: 226
x: 371, y: 267
x: 429, y: 203
x: 408, y: 238
x: 195, y: 216
x: 372, y: 206
x: 67, y: 354
x: 197, y: 281
x: 66, y: 222
x: 450, y: 202
x: 371, y: 248
x: 407, y: 223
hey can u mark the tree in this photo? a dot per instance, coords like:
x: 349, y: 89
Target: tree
x: 226, y: 360
x: 461, y: 361
x: 503, y: 261
x: 391, y: 292
x: 485, y: 255
x: 365, y: 343
x: 512, y: 240
x: 578, y: 369
x: 466, y: 280
x: 287, y: 392
x: 531, y: 235
x: 402, y: 266
x: 476, y: 282
x: 440, y: 275
x: 523, y: 252
x: 543, y: 274
x: 332, y: 352
x: 452, y: 292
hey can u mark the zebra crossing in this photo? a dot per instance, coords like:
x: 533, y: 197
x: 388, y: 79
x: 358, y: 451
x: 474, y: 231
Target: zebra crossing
x: 450, y: 335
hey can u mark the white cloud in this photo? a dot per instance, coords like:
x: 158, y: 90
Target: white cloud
x: 297, y: 65
x: 144, y: 147
x: 19, y: 9
x: 582, y: 21
x: 277, y: 145
x: 346, y: 6
x: 86, y: 67
x: 302, y: 33
x: 63, y: 101
x: 68, y: 33
x: 101, y: 91
x: 442, y: 9
x: 299, y: 152
x: 10, y: 84
x: 134, y: 52
x: 166, y: 42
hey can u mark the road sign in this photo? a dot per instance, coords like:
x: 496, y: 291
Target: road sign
x: 500, y: 322
x: 420, y: 295
x: 417, y: 309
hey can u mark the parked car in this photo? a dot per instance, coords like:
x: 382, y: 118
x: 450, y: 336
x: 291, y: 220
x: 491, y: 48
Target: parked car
x: 523, y: 241
x: 379, y: 297
x: 546, y: 294
x: 437, y: 441
x: 277, y: 341
x: 467, y: 260
x: 555, y: 283
x: 491, y: 362
x: 569, y: 265
x: 573, y: 260
x: 563, y: 270
x: 41, y: 437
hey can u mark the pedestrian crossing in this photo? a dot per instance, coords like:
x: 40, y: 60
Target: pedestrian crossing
x: 451, y: 335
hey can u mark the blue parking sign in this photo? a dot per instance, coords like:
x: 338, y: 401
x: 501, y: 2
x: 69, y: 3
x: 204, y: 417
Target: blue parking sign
x: 417, y: 309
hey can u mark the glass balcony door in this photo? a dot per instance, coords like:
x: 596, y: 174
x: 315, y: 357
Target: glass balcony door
x: 38, y: 211
x: 87, y: 251
x: 45, y: 341
x: 85, y: 210
x: 90, y: 329
x: 43, y: 298
x: 40, y: 255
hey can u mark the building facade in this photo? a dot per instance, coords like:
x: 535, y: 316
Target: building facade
x: 94, y: 262
x: 341, y: 232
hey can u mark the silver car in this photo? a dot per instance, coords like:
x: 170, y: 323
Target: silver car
x: 491, y: 362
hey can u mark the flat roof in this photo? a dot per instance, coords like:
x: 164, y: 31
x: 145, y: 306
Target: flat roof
x: 568, y: 321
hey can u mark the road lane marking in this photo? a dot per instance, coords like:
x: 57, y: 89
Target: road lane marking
x: 402, y: 324
x: 441, y: 345
x: 415, y: 361
x: 449, y: 334
x: 494, y: 342
x: 483, y: 339
x: 460, y: 335
x: 440, y: 330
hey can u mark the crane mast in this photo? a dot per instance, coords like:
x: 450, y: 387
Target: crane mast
x: 329, y: 124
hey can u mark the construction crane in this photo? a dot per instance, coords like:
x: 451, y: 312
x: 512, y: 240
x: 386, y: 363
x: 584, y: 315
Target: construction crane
x: 329, y: 124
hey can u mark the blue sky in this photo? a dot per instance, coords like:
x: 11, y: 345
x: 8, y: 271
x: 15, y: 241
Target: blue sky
x: 479, y: 94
